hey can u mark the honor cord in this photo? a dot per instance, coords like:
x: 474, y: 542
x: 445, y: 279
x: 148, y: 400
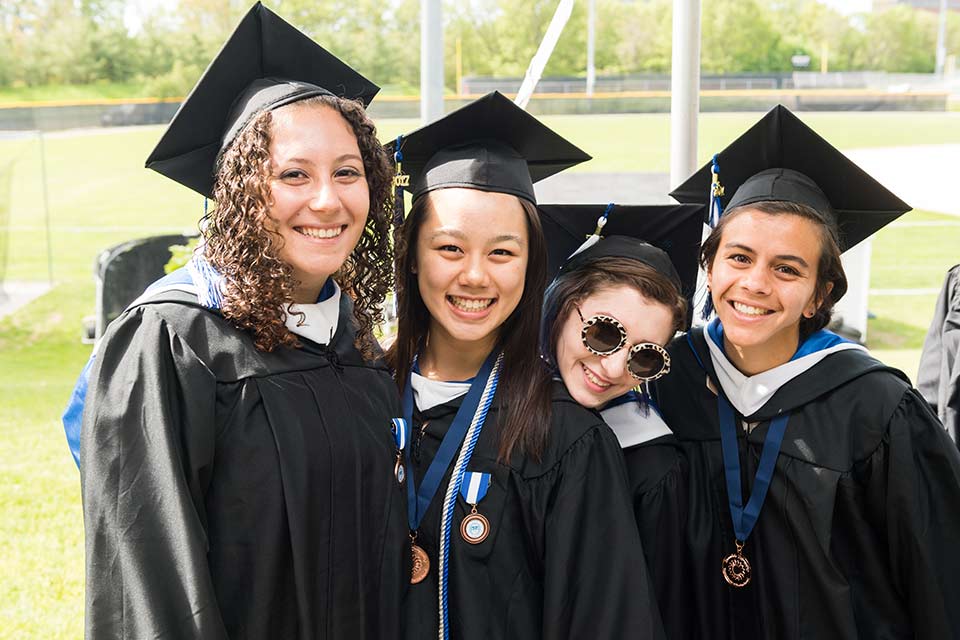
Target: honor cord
x: 453, y: 488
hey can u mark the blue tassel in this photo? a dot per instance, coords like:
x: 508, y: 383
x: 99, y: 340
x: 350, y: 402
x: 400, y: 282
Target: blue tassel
x: 716, y: 192
x: 207, y: 280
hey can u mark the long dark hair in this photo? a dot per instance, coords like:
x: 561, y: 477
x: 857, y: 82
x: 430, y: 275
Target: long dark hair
x: 573, y: 287
x: 524, y: 381
x: 829, y: 267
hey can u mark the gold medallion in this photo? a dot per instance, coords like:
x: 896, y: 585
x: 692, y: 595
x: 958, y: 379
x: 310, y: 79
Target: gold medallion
x: 475, y: 528
x: 421, y: 564
x: 399, y: 471
x: 736, y: 568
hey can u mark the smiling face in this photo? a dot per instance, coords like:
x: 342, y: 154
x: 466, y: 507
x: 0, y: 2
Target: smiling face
x: 471, y: 261
x: 594, y: 380
x: 763, y: 281
x: 319, y: 194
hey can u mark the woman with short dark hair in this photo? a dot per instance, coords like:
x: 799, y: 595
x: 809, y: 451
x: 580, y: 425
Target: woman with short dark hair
x: 823, y: 491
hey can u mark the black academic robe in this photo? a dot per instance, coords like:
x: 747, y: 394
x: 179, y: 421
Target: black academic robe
x: 233, y: 493
x: 939, y: 377
x: 657, y: 472
x: 859, y: 536
x: 563, y: 558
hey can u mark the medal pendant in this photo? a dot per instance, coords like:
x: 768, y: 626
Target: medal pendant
x: 398, y: 470
x: 421, y: 564
x: 475, y: 527
x: 736, y: 568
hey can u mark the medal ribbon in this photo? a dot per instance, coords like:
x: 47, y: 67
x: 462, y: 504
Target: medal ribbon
x: 418, y: 500
x: 744, y: 518
x: 474, y: 486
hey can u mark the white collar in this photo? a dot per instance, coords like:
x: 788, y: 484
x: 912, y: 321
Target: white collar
x: 631, y: 426
x: 320, y: 321
x: 429, y: 393
x: 749, y: 393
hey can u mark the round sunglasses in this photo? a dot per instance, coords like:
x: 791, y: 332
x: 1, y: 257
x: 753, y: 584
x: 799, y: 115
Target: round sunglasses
x: 604, y: 336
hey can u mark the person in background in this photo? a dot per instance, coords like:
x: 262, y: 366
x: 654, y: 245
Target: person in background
x: 823, y: 491
x: 238, y: 465
x: 518, y: 507
x: 608, y: 314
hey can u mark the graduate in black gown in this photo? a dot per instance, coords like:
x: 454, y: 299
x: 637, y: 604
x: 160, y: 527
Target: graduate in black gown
x: 237, y: 458
x: 617, y: 300
x: 824, y: 495
x: 519, y: 507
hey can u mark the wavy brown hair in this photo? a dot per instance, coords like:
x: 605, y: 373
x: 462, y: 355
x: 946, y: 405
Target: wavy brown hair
x: 240, y: 243
x: 524, y: 382
x: 572, y: 287
x: 831, y: 282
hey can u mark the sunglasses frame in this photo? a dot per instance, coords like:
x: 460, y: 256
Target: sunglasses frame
x: 637, y: 348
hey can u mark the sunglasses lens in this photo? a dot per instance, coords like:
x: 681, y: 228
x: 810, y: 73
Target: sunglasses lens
x: 603, y: 336
x: 645, y: 363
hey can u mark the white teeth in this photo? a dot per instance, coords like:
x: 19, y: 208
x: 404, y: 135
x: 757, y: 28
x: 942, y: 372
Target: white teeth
x: 314, y: 232
x: 748, y: 310
x: 470, y: 305
x: 594, y: 379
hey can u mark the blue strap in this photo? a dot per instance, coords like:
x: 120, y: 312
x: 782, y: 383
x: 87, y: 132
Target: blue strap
x: 419, y: 500
x: 745, y: 518
x: 73, y: 414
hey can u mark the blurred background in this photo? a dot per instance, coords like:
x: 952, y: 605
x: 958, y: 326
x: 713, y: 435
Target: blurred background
x: 86, y: 87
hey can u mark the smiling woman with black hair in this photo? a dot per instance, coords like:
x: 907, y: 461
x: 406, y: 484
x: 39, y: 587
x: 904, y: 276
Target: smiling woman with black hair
x: 518, y: 510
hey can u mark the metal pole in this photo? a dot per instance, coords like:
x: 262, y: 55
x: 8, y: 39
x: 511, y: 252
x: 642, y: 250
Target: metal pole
x: 684, y: 90
x: 46, y: 206
x: 544, y: 51
x: 942, y: 39
x: 591, y: 45
x: 431, y: 60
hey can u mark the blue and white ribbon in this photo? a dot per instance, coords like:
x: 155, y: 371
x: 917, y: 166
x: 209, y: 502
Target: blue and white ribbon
x: 474, y: 487
x: 398, y: 426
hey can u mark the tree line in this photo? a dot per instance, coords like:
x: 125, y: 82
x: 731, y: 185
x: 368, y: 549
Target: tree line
x: 81, y: 42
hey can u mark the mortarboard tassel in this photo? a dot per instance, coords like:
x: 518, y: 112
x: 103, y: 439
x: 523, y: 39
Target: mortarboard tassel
x: 716, y: 210
x: 594, y: 237
x: 400, y: 180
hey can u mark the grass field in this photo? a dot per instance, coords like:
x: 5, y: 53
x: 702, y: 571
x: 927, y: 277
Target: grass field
x: 100, y: 195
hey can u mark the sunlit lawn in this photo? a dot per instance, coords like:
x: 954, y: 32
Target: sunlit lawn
x: 100, y: 195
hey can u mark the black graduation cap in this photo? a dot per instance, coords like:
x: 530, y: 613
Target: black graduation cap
x: 782, y: 159
x: 490, y: 144
x: 266, y: 63
x: 666, y: 237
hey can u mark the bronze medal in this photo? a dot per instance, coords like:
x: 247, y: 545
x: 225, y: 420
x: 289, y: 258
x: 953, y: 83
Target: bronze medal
x: 399, y: 471
x: 421, y: 564
x: 475, y: 528
x: 736, y: 568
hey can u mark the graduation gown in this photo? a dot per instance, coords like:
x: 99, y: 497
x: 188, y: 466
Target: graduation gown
x: 562, y: 559
x: 657, y: 474
x: 939, y: 377
x: 858, y: 536
x: 233, y: 493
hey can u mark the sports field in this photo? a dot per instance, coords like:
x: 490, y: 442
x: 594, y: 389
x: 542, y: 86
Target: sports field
x: 100, y: 195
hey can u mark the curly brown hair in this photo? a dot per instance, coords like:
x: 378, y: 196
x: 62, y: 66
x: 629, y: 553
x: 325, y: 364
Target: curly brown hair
x: 238, y: 242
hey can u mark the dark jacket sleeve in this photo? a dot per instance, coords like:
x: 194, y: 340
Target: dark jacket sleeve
x: 596, y: 583
x: 913, y: 492
x: 146, y: 450
x: 658, y: 479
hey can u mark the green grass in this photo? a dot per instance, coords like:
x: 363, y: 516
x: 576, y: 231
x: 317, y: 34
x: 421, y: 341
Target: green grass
x: 100, y: 194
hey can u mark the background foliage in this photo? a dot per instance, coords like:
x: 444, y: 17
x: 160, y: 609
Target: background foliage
x: 77, y: 42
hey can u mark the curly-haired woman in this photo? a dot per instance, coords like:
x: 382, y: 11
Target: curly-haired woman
x: 237, y: 457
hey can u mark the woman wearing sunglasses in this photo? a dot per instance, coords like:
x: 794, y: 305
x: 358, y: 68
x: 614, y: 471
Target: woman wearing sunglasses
x: 519, y: 515
x: 607, y: 316
x: 823, y: 492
